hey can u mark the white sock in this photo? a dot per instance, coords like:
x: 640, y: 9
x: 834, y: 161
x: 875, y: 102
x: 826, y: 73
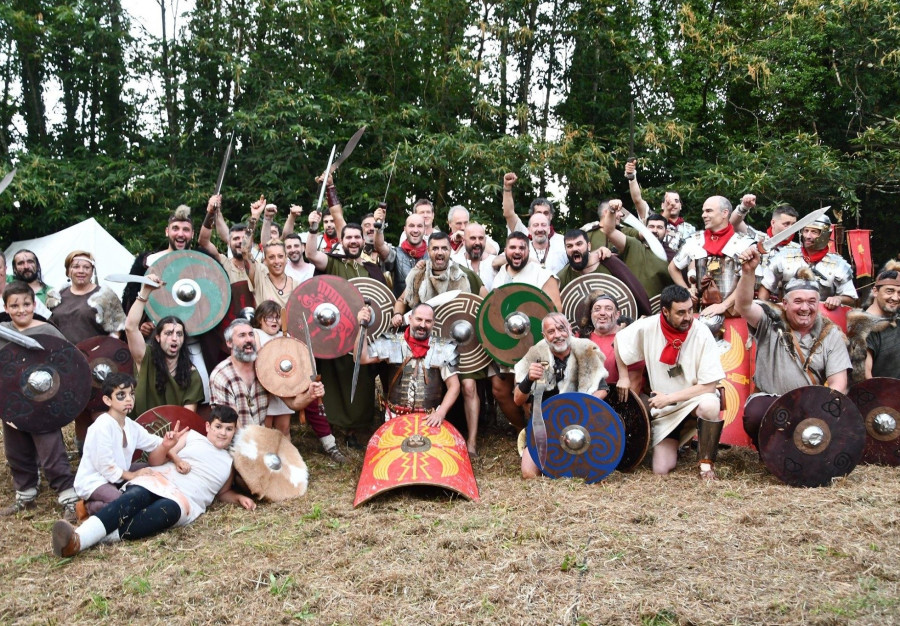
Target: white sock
x: 91, y: 532
x: 328, y: 442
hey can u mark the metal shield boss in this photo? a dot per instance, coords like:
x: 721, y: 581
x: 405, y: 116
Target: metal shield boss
x: 811, y: 435
x: 43, y: 390
x: 196, y: 290
x: 574, y: 295
x: 381, y: 300
x: 105, y: 355
x: 269, y: 464
x: 585, y: 437
x: 635, y: 416
x: 509, y: 321
x: 406, y: 451
x: 878, y: 399
x: 455, y: 321
x: 330, y: 305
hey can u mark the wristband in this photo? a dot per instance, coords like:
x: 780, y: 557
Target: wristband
x: 331, y: 196
x: 525, y: 386
x: 313, y: 232
x: 138, y: 297
x: 209, y: 219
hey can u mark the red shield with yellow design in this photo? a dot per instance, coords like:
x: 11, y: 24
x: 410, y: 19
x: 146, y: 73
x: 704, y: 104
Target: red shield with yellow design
x: 738, y: 356
x: 406, y: 451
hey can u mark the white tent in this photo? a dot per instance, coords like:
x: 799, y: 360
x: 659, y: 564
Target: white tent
x: 112, y: 257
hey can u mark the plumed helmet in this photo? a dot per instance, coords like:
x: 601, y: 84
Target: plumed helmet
x: 823, y: 225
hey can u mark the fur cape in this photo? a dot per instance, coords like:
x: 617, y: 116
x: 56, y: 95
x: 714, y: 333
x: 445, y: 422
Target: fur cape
x: 859, y: 325
x: 110, y: 314
x: 584, y: 365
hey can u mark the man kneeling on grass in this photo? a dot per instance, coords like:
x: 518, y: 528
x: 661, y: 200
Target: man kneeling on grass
x: 166, y: 497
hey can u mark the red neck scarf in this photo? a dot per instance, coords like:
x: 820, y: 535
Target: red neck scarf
x: 455, y: 244
x: 416, y: 252
x: 674, y: 339
x: 714, y: 240
x: 783, y: 243
x: 419, y: 348
x: 676, y: 222
x: 814, y: 256
x: 330, y: 242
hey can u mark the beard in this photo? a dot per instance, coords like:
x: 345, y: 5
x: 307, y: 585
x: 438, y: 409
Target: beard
x: 517, y: 266
x: 559, y: 348
x: 244, y: 357
x: 475, y: 252
x: 350, y: 254
x: 578, y: 261
x: 27, y: 276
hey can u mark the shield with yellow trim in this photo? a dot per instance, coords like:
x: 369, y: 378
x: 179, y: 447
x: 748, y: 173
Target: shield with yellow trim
x: 406, y: 451
x: 738, y: 356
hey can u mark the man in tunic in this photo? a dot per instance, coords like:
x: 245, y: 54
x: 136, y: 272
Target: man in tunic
x: 684, y: 368
x: 399, y: 260
x: 27, y: 268
x: 882, y: 343
x: 708, y: 257
x: 795, y: 347
x: 547, y: 246
x: 600, y: 324
x: 473, y: 255
x: 582, y: 259
x: 677, y: 230
x: 572, y: 364
x: 237, y: 266
x: 832, y: 272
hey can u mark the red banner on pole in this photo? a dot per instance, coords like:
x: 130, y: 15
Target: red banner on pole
x: 858, y: 241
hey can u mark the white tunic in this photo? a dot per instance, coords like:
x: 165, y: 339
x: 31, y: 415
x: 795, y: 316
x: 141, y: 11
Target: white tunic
x: 106, y: 456
x: 532, y: 273
x: 485, y: 272
x: 698, y: 357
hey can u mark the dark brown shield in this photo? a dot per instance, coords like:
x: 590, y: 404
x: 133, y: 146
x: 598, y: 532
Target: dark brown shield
x: 381, y: 299
x: 283, y: 366
x: 656, y: 304
x: 270, y: 465
x: 196, y: 290
x: 509, y: 321
x: 878, y: 399
x: 43, y: 390
x: 811, y: 435
x: 329, y: 304
x: 635, y: 415
x: 455, y: 321
x: 585, y: 437
x: 162, y: 419
x: 574, y: 296
x: 105, y: 355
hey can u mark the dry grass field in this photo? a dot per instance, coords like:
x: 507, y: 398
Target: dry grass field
x: 635, y: 549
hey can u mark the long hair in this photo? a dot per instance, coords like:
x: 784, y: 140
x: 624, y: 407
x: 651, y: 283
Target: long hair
x: 182, y: 367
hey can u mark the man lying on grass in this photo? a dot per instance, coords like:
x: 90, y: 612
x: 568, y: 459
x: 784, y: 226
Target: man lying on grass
x: 166, y: 497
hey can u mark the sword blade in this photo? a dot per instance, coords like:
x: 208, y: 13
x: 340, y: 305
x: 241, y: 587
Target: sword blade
x: 308, y: 339
x: 224, y: 165
x: 14, y: 336
x: 631, y: 139
x: 7, y: 180
x: 131, y: 278
x: 769, y: 244
x: 348, y: 149
x: 358, y: 355
x: 325, y: 180
x: 651, y: 240
x: 538, y: 428
x: 391, y: 175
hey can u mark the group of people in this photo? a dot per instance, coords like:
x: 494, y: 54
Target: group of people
x: 671, y: 357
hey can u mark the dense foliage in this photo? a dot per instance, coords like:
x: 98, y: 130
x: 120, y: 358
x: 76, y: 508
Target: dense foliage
x: 793, y: 100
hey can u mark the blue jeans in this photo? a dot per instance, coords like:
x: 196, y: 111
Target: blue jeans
x: 139, y: 513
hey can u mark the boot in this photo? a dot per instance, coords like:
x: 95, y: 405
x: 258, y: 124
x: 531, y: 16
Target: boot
x: 25, y: 501
x: 708, y: 434
x: 65, y: 540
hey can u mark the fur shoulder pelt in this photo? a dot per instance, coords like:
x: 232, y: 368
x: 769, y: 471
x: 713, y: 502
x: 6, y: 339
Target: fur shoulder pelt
x: 584, y: 366
x: 859, y: 325
x: 110, y: 315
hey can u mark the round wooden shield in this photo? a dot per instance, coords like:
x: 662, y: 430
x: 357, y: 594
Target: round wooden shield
x: 43, y: 390
x: 811, y: 435
x: 620, y: 270
x: 105, y: 355
x: 381, y: 300
x: 878, y: 399
x: 509, y: 321
x: 241, y: 299
x: 455, y: 321
x: 574, y: 296
x: 161, y: 419
x: 196, y: 290
x: 635, y: 416
x: 329, y: 304
x: 656, y: 304
x: 406, y: 451
x: 270, y: 465
x: 585, y: 437
x: 283, y: 366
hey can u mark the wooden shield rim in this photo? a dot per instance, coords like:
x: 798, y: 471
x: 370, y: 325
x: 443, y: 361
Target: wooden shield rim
x: 284, y: 448
x: 576, y: 291
x: 161, y: 303
x: 382, y: 304
x: 495, y: 298
x: 266, y: 364
x: 599, y: 406
x: 878, y: 450
x: 72, y: 395
x: 472, y: 357
x: 779, y: 424
x: 173, y: 413
x: 637, y: 431
x: 342, y: 339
